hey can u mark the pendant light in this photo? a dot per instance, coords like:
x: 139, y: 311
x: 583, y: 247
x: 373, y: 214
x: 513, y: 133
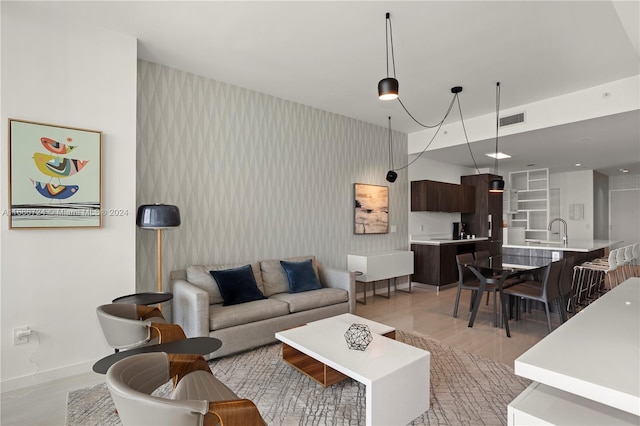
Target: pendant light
x: 496, y: 185
x: 388, y: 87
x: 391, y: 174
x: 388, y: 90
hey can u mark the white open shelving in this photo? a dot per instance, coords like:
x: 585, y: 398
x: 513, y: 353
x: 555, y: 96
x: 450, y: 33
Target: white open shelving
x: 529, y: 202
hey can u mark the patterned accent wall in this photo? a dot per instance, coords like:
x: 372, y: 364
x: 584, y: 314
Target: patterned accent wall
x: 255, y: 176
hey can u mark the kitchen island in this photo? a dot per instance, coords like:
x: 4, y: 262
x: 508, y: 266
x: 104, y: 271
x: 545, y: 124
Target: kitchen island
x: 539, y: 253
x: 586, y: 371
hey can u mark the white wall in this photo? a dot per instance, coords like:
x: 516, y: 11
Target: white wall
x: 436, y: 224
x: 576, y: 188
x: 52, y: 280
x: 255, y: 176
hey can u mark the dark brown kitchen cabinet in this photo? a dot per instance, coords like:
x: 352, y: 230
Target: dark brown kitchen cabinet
x: 433, y: 196
x: 467, y: 199
x: 486, y: 219
x: 436, y: 264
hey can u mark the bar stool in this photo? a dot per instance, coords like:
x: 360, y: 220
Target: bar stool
x: 591, y: 277
x: 628, y: 261
x: 620, y: 260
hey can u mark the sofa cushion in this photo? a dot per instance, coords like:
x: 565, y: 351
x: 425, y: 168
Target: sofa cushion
x: 237, y: 285
x: 274, y: 278
x: 228, y: 316
x: 312, y: 299
x: 301, y: 276
x: 200, y: 276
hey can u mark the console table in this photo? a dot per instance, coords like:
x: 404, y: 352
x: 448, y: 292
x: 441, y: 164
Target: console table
x: 383, y: 265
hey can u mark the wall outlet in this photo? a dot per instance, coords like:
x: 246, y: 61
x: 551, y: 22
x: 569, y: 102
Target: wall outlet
x: 393, y: 228
x: 555, y: 255
x: 421, y: 228
x: 21, y: 335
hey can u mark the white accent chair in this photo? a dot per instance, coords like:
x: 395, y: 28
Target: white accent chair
x: 198, y: 397
x: 127, y: 326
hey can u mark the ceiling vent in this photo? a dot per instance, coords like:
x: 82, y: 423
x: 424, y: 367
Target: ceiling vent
x: 512, y: 119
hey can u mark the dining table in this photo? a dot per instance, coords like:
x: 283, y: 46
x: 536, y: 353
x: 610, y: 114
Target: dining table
x: 491, y: 271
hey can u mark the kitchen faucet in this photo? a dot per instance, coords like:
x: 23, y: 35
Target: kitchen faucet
x: 565, y: 237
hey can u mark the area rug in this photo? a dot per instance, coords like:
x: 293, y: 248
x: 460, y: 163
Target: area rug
x: 466, y: 389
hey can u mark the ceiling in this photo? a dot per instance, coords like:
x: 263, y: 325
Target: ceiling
x: 605, y: 144
x: 331, y: 54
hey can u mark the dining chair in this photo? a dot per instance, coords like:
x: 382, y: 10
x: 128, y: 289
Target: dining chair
x: 468, y: 281
x: 547, y: 292
x: 480, y: 255
x: 565, y: 284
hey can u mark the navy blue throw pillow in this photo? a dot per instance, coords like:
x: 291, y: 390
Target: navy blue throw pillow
x: 237, y: 285
x: 301, y: 276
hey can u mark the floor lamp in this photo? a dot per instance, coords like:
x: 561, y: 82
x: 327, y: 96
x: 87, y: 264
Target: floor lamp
x: 158, y: 217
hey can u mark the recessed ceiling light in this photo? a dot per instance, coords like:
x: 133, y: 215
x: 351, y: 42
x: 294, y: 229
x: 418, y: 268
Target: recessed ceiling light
x: 578, y: 164
x: 624, y: 170
x: 498, y: 155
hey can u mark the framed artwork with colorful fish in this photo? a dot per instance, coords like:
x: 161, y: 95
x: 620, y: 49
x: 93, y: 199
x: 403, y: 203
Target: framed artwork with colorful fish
x: 55, y: 176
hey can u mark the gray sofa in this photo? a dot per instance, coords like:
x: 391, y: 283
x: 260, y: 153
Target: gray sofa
x: 197, y: 304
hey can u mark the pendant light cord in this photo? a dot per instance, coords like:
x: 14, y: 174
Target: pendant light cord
x: 466, y: 138
x: 390, y: 146
x: 497, y: 124
x: 388, y: 36
x: 464, y: 129
x: 438, y: 127
x: 389, y: 39
x: 426, y: 126
x: 455, y: 99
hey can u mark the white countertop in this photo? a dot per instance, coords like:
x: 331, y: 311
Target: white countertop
x: 596, y: 354
x: 572, y: 245
x: 429, y: 240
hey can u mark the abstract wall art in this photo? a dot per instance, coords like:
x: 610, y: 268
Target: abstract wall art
x: 371, y: 209
x: 55, y: 176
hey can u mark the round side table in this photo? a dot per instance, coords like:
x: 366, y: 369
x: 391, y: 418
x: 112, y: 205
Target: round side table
x: 146, y: 298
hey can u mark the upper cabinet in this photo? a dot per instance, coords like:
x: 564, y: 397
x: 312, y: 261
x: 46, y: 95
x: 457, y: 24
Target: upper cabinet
x: 433, y: 196
x: 486, y: 220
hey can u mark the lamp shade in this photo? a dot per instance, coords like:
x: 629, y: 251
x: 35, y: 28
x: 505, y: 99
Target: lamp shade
x: 388, y: 89
x: 158, y: 216
x: 496, y: 185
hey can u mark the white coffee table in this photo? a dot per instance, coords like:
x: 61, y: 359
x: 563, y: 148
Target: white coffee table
x: 396, y: 375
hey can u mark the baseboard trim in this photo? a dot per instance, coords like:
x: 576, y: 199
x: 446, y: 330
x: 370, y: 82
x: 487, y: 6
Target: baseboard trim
x: 42, y: 377
x: 434, y: 287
